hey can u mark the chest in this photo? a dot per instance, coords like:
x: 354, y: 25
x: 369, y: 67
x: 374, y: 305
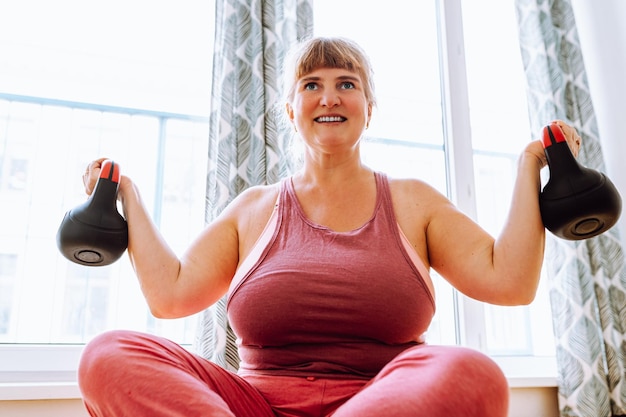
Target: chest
x: 320, y: 286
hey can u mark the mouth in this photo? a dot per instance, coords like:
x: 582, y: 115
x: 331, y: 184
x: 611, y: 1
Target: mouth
x: 330, y: 119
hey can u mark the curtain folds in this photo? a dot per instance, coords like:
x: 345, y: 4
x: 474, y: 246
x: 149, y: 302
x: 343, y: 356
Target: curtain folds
x: 587, y: 278
x: 247, y: 141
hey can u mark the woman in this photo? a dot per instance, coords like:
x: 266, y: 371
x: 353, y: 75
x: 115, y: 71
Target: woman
x: 327, y: 278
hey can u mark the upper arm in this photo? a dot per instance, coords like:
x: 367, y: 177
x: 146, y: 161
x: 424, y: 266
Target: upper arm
x: 448, y: 240
x: 210, y: 262
x: 460, y: 250
x: 208, y: 265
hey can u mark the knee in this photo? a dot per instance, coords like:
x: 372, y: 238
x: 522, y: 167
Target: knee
x: 104, y: 361
x: 476, y: 381
x: 461, y: 378
x: 476, y: 368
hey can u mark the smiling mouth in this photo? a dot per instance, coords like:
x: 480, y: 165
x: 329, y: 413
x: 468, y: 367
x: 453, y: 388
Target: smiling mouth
x: 330, y: 119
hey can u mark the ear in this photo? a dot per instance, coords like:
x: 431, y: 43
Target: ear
x: 289, y: 111
x: 369, y: 115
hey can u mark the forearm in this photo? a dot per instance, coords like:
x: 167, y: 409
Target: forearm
x: 156, y: 265
x: 519, y: 249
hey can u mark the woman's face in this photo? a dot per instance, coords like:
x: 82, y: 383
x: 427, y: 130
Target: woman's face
x: 329, y: 109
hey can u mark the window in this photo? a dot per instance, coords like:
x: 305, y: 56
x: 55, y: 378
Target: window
x: 141, y: 98
x: 49, y: 299
x: 138, y: 97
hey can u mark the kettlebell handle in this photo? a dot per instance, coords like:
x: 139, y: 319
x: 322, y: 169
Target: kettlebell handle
x: 553, y: 136
x: 560, y: 158
x: 110, y: 171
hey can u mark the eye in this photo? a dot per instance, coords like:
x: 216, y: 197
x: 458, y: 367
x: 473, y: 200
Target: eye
x: 346, y: 85
x: 310, y: 86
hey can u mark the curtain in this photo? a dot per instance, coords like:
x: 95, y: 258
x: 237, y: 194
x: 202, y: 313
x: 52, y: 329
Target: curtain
x: 247, y: 142
x: 587, y: 278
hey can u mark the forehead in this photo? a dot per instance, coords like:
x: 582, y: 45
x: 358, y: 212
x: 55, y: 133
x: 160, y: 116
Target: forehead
x: 330, y: 74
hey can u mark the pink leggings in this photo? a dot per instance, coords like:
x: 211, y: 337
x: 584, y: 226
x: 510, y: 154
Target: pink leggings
x: 134, y: 374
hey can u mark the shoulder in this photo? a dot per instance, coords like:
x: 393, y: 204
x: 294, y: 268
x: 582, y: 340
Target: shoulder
x: 258, y: 197
x: 417, y: 206
x: 249, y: 213
x: 411, y: 194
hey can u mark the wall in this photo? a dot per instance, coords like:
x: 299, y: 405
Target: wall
x: 602, y: 36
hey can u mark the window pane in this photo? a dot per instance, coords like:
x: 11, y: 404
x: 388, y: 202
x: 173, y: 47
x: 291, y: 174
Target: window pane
x: 133, y: 53
x: 46, y: 298
x: 123, y: 94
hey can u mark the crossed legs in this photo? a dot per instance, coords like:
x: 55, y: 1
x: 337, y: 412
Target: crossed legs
x: 126, y: 373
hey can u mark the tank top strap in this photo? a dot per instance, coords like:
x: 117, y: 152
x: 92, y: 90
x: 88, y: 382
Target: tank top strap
x: 384, y: 205
x: 388, y: 215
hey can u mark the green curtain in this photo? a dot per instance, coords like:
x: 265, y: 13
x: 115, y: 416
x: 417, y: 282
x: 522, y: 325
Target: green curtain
x: 247, y: 142
x: 587, y: 278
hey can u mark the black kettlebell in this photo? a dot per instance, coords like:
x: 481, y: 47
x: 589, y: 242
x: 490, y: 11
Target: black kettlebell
x: 577, y: 202
x: 94, y: 233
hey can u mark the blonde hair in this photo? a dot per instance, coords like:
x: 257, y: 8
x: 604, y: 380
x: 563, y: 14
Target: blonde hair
x: 325, y: 52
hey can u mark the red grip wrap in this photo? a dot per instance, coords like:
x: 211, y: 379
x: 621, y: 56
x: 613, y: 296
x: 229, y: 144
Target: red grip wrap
x: 110, y: 170
x: 552, y: 134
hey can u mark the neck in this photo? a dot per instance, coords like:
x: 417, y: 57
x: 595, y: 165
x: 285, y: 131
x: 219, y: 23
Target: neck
x: 332, y: 171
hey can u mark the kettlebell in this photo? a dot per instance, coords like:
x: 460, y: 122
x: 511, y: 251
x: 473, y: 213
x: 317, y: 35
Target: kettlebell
x: 577, y: 202
x: 94, y: 233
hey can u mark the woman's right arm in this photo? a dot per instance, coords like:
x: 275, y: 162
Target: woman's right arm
x: 175, y: 287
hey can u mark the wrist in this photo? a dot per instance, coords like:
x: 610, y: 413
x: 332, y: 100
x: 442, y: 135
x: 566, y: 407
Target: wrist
x: 126, y: 189
x: 533, y: 156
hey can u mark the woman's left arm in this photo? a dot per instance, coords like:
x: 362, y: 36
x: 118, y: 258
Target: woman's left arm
x: 503, y: 270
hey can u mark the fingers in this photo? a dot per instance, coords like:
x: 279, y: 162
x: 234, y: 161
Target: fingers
x: 571, y: 135
x: 535, y: 148
x: 91, y: 174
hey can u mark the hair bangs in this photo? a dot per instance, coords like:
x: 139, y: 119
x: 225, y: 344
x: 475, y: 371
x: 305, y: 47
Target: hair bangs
x: 327, y: 53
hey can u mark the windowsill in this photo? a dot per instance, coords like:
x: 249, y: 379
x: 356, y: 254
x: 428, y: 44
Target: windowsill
x: 20, y: 391
x: 36, y: 372
x: 528, y: 371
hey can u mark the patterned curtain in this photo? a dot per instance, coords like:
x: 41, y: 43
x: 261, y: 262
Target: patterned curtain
x: 247, y: 141
x: 587, y: 278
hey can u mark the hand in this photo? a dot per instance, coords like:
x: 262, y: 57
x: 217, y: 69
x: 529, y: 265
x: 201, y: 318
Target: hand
x: 572, y: 137
x: 92, y: 174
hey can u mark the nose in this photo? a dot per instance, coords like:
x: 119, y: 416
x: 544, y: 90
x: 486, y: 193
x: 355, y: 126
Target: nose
x: 330, y: 99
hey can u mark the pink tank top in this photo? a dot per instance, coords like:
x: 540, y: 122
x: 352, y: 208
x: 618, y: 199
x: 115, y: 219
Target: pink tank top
x: 312, y: 301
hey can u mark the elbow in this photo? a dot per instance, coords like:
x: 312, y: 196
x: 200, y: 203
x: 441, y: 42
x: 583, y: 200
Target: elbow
x: 517, y: 296
x: 524, y: 300
x: 163, y: 310
x: 159, y: 313
x: 175, y: 308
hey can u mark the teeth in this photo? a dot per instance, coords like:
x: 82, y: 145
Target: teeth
x: 325, y: 119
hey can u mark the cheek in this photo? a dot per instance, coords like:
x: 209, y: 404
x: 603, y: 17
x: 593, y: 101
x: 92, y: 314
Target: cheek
x: 302, y: 107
